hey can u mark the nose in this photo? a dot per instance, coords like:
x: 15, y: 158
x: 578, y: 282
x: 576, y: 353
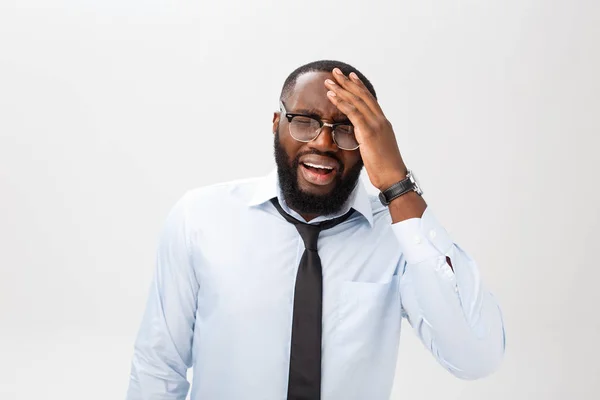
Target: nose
x: 324, y: 142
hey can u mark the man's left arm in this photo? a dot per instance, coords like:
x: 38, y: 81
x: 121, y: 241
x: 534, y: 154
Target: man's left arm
x: 442, y: 295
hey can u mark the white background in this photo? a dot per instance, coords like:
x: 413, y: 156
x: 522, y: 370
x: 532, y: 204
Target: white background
x: 111, y: 110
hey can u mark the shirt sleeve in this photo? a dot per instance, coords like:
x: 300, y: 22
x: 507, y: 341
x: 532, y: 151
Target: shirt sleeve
x: 445, y: 302
x: 163, y: 348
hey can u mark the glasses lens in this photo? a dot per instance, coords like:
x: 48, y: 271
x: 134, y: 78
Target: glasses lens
x: 304, y: 128
x: 345, y: 138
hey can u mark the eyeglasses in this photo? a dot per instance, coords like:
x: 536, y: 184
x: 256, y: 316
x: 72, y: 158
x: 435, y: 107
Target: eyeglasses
x: 305, y: 128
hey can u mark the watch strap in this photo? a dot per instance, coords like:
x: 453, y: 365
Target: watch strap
x: 396, y: 190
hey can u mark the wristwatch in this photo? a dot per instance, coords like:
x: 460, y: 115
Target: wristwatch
x: 406, y: 185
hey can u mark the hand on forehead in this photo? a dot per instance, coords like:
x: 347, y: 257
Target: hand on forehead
x: 310, y: 94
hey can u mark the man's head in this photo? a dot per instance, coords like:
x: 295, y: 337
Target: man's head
x: 309, y: 190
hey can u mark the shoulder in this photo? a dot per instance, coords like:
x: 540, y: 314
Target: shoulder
x: 222, y: 195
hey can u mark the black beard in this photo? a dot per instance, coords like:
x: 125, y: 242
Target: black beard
x: 308, y: 203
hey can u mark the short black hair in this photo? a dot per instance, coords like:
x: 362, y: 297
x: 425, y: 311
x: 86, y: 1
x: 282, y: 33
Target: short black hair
x: 322, y: 66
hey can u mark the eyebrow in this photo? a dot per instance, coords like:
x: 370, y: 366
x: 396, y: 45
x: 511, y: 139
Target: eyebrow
x: 313, y: 113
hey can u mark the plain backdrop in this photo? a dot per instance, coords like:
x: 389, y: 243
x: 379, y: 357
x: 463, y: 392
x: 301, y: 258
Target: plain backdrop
x: 110, y: 110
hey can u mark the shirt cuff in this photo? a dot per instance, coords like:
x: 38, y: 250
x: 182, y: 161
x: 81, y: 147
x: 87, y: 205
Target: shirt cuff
x: 422, y: 238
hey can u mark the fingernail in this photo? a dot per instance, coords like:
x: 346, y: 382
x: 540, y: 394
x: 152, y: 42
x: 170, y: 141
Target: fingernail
x: 337, y: 71
x: 354, y: 76
x: 331, y: 94
x: 330, y: 81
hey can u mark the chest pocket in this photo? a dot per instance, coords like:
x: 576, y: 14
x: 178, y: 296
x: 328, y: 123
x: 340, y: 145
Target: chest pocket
x: 365, y: 308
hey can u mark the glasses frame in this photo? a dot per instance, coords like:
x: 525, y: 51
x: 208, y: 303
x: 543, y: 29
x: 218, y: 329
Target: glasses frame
x: 290, y: 116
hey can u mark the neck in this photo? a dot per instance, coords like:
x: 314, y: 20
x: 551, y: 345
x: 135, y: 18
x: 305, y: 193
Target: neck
x: 307, y: 217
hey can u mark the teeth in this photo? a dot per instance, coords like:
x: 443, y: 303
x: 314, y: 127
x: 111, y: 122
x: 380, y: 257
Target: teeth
x: 318, y: 166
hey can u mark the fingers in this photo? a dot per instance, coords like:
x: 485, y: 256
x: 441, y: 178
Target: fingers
x: 349, y: 101
x: 357, y: 88
x: 357, y: 118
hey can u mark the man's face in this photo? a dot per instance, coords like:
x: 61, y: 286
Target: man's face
x: 306, y: 189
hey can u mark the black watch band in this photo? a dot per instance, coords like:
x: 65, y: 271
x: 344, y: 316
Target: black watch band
x: 397, y: 190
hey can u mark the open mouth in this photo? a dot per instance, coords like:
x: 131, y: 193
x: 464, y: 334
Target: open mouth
x: 317, y: 169
x: 317, y: 174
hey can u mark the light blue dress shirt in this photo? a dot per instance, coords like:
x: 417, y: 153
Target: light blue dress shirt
x: 222, y: 297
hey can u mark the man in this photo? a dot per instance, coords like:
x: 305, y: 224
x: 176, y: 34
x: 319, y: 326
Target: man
x: 265, y: 305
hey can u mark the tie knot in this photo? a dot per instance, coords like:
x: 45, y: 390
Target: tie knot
x: 309, y: 234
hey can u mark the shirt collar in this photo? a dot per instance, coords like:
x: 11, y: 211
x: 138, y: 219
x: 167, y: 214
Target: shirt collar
x: 268, y: 188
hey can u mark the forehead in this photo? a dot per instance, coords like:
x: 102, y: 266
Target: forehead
x: 310, y: 93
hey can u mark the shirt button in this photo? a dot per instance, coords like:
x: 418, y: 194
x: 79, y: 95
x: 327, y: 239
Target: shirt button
x: 432, y: 234
x: 418, y: 239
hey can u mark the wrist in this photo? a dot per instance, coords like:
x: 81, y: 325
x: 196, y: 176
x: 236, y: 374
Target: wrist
x: 392, y: 178
x: 410, y: 205
x: 400, y: 188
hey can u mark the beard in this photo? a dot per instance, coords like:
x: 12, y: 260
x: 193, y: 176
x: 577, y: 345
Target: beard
x: 310, y: 203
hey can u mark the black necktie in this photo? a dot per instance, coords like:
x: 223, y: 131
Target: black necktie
x: 304, y: 382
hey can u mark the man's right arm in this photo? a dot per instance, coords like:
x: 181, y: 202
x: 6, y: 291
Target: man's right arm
x: 163, y: 348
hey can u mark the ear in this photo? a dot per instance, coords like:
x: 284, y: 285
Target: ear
x: 276, y: 116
